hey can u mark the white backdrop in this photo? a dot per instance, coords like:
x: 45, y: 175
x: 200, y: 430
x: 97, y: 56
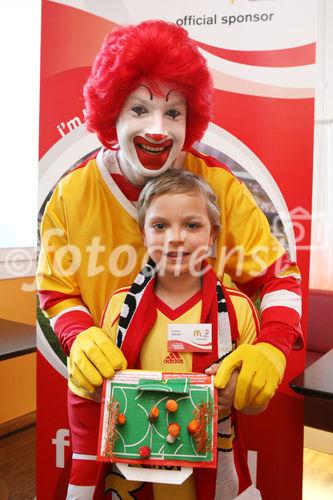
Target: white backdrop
x: 321, y: 266
x: 19, y: 85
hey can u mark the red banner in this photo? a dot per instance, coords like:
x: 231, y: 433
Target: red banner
x: 262, y: 129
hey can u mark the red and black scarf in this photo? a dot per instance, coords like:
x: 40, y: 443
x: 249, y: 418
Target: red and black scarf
x: 138, y: 316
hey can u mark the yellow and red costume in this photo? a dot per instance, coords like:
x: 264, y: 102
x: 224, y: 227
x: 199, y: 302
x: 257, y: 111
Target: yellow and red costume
x: 92, y: 246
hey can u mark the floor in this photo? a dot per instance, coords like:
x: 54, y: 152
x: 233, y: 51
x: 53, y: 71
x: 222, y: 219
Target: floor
x: 17, y: 465
x: 317, y: 475
x: 17, y: 469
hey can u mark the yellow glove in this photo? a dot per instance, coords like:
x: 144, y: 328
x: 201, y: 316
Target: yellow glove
x: 261, y: 370
x: 92, y: 358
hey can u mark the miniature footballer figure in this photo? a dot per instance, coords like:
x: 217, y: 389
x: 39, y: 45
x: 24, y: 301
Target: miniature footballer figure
x: 148, y: 99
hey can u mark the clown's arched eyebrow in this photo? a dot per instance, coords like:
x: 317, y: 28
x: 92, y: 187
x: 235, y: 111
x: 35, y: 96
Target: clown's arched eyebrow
x: 151, y: 94
x: 167, y: 96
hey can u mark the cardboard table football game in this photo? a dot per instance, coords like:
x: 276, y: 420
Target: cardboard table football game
x: 130, y: 435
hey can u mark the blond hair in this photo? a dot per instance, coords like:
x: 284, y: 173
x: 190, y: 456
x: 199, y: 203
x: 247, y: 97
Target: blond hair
x: 178, y: 181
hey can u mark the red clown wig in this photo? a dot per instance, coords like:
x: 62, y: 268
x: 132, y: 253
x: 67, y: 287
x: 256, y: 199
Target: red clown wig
x: 152, y: 51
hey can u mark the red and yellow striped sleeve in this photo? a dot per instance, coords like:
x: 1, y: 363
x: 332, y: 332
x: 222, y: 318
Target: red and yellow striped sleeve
x: 246, y: 316
x: 59, y: 293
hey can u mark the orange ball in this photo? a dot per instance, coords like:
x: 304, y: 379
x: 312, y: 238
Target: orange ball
x: 193, y: 427
x: 153, y: 414
x: 171, y: 405
x: 174, y: 429
x: 121, y: 419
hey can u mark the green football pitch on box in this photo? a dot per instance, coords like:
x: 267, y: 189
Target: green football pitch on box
x: 135, y: 401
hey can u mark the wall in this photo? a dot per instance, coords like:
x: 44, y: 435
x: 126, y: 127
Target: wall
x: 17, y: 304
x: 321, y: 266
x: 17, y: 387
x: 17, y: 375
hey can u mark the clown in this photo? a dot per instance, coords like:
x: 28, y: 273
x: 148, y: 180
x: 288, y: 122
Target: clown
x: 148, y: 99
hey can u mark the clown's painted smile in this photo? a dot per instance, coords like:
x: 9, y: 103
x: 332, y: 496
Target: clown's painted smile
x: 151, y: 132
x: 152, y: 155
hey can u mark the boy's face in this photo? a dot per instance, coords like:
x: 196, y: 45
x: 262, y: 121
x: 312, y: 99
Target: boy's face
x: 151, y: 129
x: 178, y: 232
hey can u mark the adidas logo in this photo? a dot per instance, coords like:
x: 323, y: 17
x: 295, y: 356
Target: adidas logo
x: 173, y: 357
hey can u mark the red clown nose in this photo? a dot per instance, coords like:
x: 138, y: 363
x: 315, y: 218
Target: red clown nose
x: 156, y: 137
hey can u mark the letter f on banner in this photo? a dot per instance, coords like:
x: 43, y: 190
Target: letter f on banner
x: 60, y: 443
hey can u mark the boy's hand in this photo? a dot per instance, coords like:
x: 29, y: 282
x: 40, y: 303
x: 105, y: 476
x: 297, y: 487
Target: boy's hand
x: 261, y: 367
x: 93, y: 357
x: 226, y: 396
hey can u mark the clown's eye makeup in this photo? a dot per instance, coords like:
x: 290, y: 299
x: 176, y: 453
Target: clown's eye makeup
x: 139, y: 110
x: 174, y: 113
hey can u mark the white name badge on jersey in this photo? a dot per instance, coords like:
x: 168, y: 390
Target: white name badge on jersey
x: 193, y: 337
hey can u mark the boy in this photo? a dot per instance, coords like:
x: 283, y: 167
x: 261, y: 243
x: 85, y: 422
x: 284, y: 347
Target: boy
x: 180, y: 219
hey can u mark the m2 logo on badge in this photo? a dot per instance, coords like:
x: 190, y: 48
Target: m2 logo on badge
x: 201, y: 335
x: 190, y: 337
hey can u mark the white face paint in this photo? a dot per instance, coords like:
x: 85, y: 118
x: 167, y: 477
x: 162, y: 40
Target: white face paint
x: 151, y: 132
